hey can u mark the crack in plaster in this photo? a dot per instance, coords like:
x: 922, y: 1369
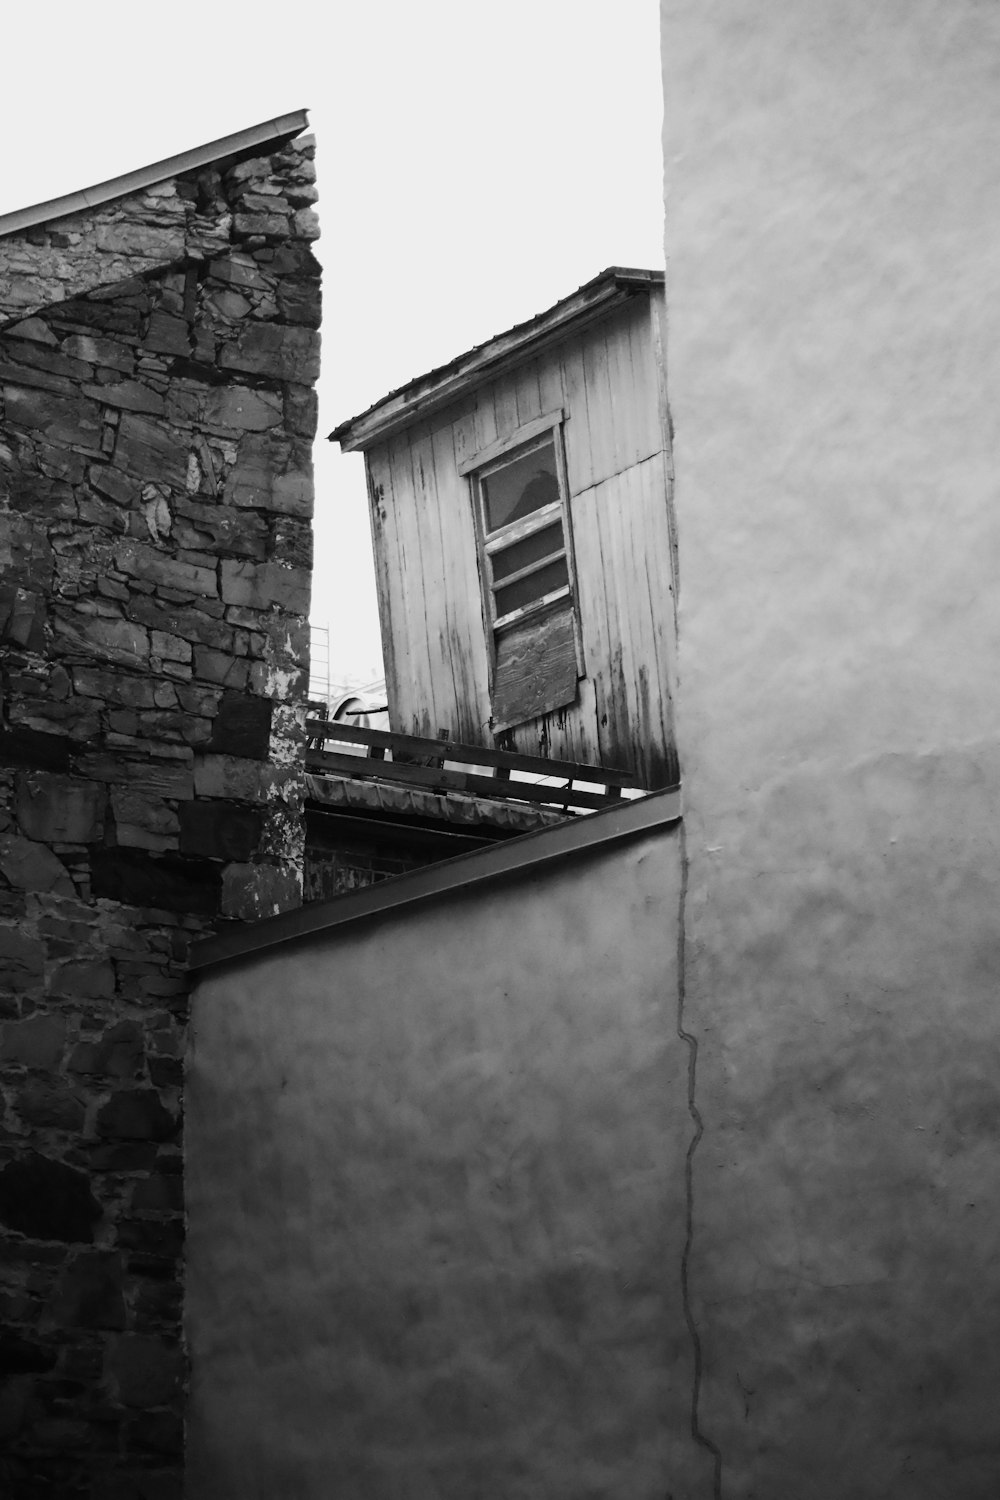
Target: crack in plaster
x: 691, y: 1042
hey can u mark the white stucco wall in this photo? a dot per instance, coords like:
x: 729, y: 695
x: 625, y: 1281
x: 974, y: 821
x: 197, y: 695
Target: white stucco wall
x: 832, y: 220
x: 435, y: 1186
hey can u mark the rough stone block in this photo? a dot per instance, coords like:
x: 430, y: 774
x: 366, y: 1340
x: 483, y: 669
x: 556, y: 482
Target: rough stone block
x: 133, y: 806
x: 20, y: 746
x: 260, y: 459
x: 136, y: 1115
x: 160, y: 1432
x: 37, y: 1042
x: 118, y: 1053
x: 72, y: 420
x: 235, y: 409
x: 83, y: 979
x: 202, y: 701
x: 47, y: 1200
x: 114, y: 687
x: 18, y: 952
x: 151, y: 451
x: 160, y: 1193
x: 110, y: 353
x: 48, y: 1104
x: 41, y: 357
x: 112, y: 482
x: 127, y: 395
x: 158, y: 568
x: 37, y: 329
x: 219, y: 667
x: 21, y: 1356
x: 119, y: 641
x: 293, y: 494
x: 174, y: 782
x: 170, y: 647
x: 168, y: 335
x: 30, y: 866
x: 22, y: 617
x: 122, y: 1156
x: 300, y: 302
x: 160, y: 1237
x: 147, y: 1371
x: 226, y: 777
x: 165, y: 1072
x: 306, y: 223
x: 219, y: 830
x: 274, y: 225
x: 261, y: 585
x: 223, y: 528
x: 61, y: 463
x: 278, y: 350
x: 165, y: 881
x: 59, y: 809
x: 242, y: 727
x: 242, y: 271
x: 90, y: 1293
x: 196, y: 621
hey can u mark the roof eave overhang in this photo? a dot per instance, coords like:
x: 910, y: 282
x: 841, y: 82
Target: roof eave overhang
x: 229, y: 148
x: 441, y: 387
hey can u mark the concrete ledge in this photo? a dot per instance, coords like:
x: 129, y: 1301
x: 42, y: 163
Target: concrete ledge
x: 530, y: 851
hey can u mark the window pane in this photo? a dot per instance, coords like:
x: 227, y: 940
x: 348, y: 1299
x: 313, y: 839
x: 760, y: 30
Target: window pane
x: 528, y: 550
x: 524, y: 485
x: 535, y: 586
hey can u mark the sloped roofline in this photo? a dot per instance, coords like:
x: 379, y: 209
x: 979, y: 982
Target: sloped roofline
x: 439, y: 387
x: 227, y: 147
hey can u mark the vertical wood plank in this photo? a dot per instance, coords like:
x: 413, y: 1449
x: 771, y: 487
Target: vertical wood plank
x: 390, y: 613
x: 639, y: 377
x: 438, y: 573
x: 410, y: 529
x: 595, y: 621
x: 600, y: 414
x: 466, y: 640
x: 578, y: 449
x: 463, y: 427
x: 621, y: 380
x: 656, y: 541
x: 528, y: 394
x: 505, y: 405
x: 617, y: 740
x: 551, y: 392
x: 485, y: 418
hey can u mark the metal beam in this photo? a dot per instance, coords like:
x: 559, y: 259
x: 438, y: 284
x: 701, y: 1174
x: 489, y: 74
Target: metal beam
x: 517, y: 856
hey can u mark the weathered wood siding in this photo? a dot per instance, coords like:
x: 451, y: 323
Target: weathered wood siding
x: 607, y: 381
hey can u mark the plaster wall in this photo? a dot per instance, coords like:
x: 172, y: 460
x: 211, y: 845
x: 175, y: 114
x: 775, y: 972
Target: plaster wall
x: 436, y: 1198
x: 832, y: 212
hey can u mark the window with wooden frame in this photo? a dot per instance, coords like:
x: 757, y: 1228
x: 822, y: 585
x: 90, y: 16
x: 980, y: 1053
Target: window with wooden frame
x: 520, y: 497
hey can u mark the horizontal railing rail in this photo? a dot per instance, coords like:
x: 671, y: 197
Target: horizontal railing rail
x: 432, y: 763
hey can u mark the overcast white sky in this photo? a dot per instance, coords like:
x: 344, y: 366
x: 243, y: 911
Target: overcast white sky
x: 476, y: 162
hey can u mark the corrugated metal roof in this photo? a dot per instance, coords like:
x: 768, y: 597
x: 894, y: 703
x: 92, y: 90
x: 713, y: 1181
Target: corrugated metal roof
x: 227, y: 147
x: 460, y: 808
x: 426, y: 393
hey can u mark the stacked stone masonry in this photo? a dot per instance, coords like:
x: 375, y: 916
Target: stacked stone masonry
x: 157, y: 363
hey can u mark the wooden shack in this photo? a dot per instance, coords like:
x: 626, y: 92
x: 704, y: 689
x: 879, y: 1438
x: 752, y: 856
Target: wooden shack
x: 520, y: 509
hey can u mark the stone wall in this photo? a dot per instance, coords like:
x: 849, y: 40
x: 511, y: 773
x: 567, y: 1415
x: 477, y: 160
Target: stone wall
x: 157, y: 361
